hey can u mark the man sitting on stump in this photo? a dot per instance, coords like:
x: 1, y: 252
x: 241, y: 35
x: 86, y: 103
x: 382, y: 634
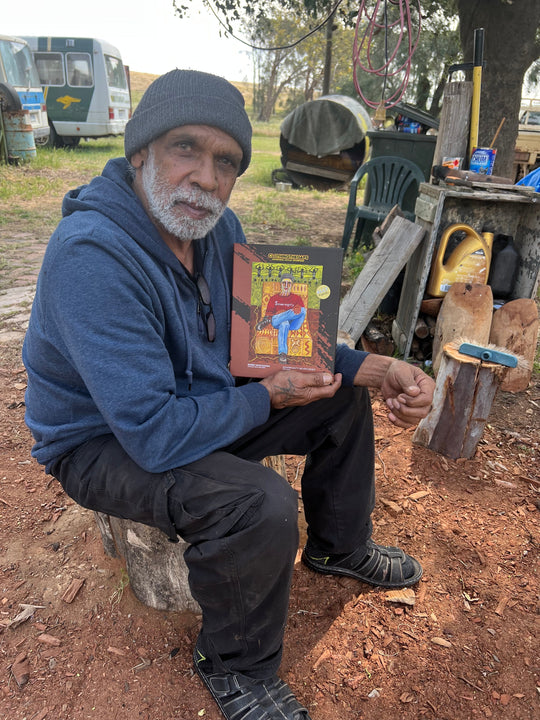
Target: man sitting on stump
x: 285, y: 311
x: 134, y: 410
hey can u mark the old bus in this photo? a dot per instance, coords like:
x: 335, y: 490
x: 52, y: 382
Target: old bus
x: 86, y: 87
x: 20, y: 88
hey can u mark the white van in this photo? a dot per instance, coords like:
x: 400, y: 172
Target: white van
x: 86, y: 87
x: 20, y: 87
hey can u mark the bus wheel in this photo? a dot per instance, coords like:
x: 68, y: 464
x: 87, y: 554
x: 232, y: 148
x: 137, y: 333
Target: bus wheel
x: 70, y: 141
x: 54, y: 139
x: 9, y: 98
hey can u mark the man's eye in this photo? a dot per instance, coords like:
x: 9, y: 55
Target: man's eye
x: 229, y: 162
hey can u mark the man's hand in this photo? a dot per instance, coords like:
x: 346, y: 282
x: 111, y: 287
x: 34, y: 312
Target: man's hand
x: 408, y: 393
x: 407, y: 390
x: 291, y: 387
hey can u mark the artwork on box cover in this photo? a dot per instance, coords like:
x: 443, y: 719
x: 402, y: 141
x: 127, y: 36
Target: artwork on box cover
x: 285, y: 308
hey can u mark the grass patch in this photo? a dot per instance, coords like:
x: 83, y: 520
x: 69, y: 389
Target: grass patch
x: 270, y: 210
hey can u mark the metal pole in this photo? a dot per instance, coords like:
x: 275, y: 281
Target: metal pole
x: 477, y: 87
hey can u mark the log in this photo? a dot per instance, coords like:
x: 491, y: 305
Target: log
x: 421, y: 329
x: 155, y: 566
x: 464, y: 393
x: 375, y: 341
x: 466, y: 312
x: 515, y: 328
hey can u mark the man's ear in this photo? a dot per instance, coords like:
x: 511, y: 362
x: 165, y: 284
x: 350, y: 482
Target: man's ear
x: 138, y: 160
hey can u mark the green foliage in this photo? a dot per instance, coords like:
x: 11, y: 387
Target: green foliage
x: 353, y: 265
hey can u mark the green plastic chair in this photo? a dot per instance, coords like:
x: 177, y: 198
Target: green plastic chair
x: 389, y: 179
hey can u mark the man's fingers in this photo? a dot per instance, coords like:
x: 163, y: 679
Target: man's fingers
x: 290, y: 387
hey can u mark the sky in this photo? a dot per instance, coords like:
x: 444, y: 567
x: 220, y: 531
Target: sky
x: 148, y: 34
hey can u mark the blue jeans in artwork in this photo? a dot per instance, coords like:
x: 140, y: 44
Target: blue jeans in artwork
x: 285, y: 321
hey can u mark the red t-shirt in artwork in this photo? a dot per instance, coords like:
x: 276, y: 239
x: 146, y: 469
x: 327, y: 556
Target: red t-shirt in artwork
x: 281, y: 303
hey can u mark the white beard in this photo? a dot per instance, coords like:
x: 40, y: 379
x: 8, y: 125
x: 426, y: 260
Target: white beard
x: 162, y: 200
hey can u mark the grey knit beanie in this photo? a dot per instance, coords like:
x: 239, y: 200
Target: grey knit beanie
x: 189, y: 97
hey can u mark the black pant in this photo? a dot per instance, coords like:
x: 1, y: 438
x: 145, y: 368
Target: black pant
x: 240, y: 518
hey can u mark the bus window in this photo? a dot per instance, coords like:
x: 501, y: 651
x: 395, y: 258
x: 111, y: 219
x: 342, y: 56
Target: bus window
x: 18, y: 63
x: 79, y: 69
x: 115, y: 72
x: 50, y: 68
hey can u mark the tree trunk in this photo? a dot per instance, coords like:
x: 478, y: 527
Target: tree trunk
x: 328, y: 55
x: 510, y: 47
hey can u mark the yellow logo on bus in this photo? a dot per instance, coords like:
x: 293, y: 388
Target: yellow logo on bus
x: 67, y: 100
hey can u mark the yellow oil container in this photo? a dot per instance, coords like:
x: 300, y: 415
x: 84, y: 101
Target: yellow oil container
x: 468, y: 263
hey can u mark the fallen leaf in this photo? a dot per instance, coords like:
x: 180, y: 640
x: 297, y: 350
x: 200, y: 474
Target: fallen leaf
x: 406, y: 697
x: 419, y: 495
x: 441, y: 641
x: 21, y: 669
x: 392, y: 507
x: 115, y: 651
x: 48, y: 640
x: 404, y: 595
x: 25, y: 614
x: 499, y: 610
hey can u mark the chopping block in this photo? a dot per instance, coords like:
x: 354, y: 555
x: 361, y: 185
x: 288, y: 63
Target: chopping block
x: 464, y: 393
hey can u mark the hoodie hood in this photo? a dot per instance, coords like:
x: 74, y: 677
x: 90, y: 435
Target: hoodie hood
x: 123, y: 208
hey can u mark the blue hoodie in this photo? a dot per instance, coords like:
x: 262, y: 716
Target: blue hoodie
x: 116, y: 344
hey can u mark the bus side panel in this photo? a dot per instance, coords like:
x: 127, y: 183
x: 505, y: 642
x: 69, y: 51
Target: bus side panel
x: 68, y: 104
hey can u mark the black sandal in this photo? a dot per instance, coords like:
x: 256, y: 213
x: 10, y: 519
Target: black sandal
x: 387, y: 567
x: 239, y: 697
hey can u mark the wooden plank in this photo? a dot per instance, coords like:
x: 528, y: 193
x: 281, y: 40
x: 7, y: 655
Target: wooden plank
x: 453, y: 132
x: 416, y: 275
x: 382, y: 268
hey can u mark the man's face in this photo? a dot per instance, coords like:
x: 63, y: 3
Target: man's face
x: 286, y: 286
x: 187, y: 176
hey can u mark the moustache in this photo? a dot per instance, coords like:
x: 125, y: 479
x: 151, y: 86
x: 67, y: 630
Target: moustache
x: 198, y: 199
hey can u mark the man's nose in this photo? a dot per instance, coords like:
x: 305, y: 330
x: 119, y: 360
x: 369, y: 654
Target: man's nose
x: 205, y: 175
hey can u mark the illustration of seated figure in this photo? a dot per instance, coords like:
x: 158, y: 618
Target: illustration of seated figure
x: 282, y: 329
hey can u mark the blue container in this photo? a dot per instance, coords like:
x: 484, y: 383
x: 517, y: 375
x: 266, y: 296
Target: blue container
x: 19, y: 135
x: 482, y: 160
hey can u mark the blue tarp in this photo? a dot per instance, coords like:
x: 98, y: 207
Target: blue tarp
x: 532, y: 180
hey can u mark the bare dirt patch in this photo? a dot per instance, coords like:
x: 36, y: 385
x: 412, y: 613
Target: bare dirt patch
x: 467, y: 648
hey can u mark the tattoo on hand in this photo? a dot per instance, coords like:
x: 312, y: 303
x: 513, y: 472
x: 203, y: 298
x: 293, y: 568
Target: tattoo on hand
x: 286, y: 391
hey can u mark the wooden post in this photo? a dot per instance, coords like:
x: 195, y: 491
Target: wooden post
x: 453, y: 134
x: 464, y: 393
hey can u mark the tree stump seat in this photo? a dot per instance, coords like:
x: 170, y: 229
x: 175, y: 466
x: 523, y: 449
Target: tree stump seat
x: 156, y: 569
x: 155, y: 566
